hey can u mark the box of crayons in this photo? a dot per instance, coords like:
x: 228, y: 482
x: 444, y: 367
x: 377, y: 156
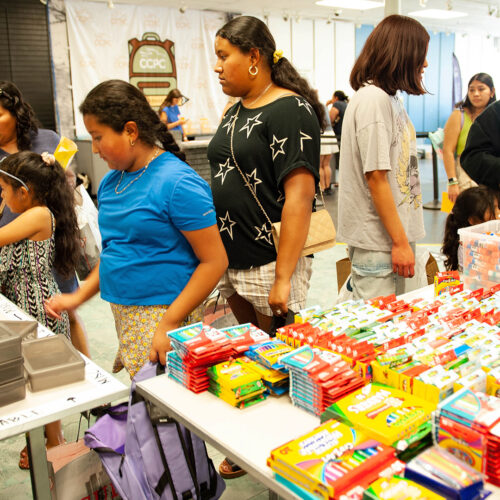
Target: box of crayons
x: 398, y: 488
x: 384, y: 413
x: 328, y: 460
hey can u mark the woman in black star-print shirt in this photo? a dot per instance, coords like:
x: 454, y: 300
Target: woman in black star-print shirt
x: 276, y: 144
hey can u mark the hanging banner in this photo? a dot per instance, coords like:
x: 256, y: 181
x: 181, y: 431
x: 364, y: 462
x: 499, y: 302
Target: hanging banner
x: 156, y: 49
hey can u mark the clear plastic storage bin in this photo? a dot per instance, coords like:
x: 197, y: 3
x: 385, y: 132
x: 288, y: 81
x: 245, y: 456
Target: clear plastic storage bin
x: 481, y: 254
x: 10, y: 346
x: 26, y: 329
x: 13, y: 391
x: 51, y: 362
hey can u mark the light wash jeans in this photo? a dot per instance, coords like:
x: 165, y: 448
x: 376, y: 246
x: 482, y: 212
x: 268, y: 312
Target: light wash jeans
x: 371, y: 274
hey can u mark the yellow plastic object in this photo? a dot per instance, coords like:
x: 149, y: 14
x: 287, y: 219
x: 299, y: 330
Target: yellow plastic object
x: 65, y: 151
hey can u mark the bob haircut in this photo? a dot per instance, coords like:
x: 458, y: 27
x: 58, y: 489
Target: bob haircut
x: 393, y: 57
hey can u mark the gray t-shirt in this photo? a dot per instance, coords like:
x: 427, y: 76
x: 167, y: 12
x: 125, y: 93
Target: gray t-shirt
x: 377, y: 134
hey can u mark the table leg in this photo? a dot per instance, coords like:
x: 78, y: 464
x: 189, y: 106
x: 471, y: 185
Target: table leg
x: 39, y: 470
x: 273, y: 495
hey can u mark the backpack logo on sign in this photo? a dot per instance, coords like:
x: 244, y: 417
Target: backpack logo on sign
x: 150, y: 456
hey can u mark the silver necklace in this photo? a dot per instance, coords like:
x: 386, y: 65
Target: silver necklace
x: 157, y: 151
x: 260, y: 95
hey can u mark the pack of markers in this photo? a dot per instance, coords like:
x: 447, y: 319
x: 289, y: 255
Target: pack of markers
x: 389, y: 415
x: 275, y: 381
x: 236, y: 384
x: 241, y: 337
x: 446, y: 475
x: 193, y: 377
x: 329, y: 460
x: 467, y: 424
x: 318, y: 378
x: 269, y: 353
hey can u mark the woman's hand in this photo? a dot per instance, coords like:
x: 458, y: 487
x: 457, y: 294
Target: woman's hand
x: 60, y: 303
x: 278, y: 297
x: 161, y: 345
x: 453, y: 192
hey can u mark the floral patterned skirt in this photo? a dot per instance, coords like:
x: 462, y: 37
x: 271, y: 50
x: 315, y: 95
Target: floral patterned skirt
x: 135, y: 327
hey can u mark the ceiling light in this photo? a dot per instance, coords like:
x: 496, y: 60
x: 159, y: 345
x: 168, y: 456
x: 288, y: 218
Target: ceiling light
x: 438, y: 14
x: 111, y: 5
x: 350, y: 4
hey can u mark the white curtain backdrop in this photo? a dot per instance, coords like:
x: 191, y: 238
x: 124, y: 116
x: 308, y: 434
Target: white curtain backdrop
x: 98, y: 39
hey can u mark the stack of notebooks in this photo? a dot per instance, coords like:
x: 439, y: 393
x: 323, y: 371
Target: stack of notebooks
x: 318, y: 378
x: 243, y: 336
x: 328, y: 461
x: 236, y: 384
x: 196, y: 347
x: 467, y: 424
x: 389, y: 415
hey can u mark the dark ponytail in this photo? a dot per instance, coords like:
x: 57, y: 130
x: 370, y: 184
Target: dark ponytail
x: 246, y: 33
x: 470, y: 204
x: 50, y: 188
x: 116, y: 102
x: 339, y: 94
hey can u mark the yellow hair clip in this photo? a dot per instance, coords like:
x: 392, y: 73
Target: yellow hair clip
x: 278, y: 54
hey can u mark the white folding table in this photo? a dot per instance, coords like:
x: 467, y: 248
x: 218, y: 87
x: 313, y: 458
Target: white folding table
x: 39, y: 408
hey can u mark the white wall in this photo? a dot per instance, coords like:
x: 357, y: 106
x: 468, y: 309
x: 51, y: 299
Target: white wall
x: 476, y: 53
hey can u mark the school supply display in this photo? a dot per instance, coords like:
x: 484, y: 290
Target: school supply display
x: 236, y: 384
x: 391, y: 416
x: 318, y: 378
x: 321, y: 233
x: 148, y: 455
x: 444, y: 474
x: 330, y: 460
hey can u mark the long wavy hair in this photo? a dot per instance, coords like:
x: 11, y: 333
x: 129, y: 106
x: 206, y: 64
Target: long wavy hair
x: 50, y: 188
x: 393, y: 56
x: 116, y: 102
x: 246, y: 33
x: 483, y: 78
x: 26, y: 123
x: 471, y: 204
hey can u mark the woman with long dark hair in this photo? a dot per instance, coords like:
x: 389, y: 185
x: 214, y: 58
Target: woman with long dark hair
x: 480, y: 94
x: 265, y: 168
x: 380, y: 202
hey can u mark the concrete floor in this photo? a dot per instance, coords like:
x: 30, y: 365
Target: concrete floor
x: 15, y: 483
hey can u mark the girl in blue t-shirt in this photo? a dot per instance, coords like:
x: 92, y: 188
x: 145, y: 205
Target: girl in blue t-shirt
x: 171, y: 115
x: 161, y: 250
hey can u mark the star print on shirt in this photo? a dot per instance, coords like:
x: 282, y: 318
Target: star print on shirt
x: 224, y: 169
x: 305, y: 104
x: 250, y: 124
x: 227, y: 224
x: 253, y: 179
x: 229, y: 123
x: 264, y: 234
x: 303, y: 137
x: 277, y: 142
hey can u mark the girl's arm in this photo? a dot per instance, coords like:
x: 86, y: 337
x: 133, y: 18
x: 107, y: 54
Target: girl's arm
x: 68, y: 301
x: 163, y: 117
x: 299, y: 187
x: 334, y: 113
x: 451, y: 134
x: 33, y: 223
x: 403, y: 260
x: 208, y: 248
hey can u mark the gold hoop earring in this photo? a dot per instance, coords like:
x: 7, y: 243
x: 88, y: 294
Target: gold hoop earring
x: 254, y: 72
x: 132, y: 143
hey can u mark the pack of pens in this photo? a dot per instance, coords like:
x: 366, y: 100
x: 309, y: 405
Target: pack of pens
x: 330, y: 460
x: 318, y: 378
x: 468, y: 425
x: 236, y: 384
x: 389, y: 415
x: 446, y: 475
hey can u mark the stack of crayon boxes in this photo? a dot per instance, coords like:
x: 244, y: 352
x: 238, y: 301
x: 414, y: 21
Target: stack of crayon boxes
x: 329, y: 461
x: 467, y: 424
x: 236, y: 384
x: 318, y: 378
x: 481, y: 251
